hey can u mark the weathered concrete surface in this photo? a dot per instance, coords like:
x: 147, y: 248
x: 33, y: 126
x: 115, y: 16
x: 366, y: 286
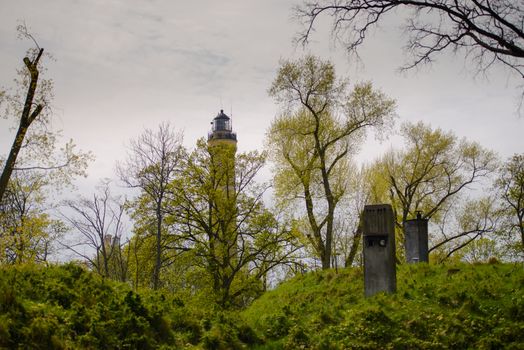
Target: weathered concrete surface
x: 379, y: 250
x: 416, y: 240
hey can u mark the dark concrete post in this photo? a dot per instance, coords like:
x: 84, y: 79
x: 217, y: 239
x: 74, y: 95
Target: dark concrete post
x: 416, y: 240
x: 379, y: 250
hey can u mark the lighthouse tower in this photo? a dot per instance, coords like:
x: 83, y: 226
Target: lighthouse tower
x: 222, y: 147
x: 221, y: 132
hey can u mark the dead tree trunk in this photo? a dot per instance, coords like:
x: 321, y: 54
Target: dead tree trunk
x: 28, y: 116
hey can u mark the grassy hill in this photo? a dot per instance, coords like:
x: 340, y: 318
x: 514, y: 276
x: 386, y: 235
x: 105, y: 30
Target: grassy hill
x: 436, y: 307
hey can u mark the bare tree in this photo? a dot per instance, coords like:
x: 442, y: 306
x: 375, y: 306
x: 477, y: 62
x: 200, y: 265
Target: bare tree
x: 98, y: 221
x: 150, y: 167
x: 487, y: 31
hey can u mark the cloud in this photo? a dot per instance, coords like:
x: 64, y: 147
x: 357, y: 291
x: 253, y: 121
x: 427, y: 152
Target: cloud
x: 127, y: 64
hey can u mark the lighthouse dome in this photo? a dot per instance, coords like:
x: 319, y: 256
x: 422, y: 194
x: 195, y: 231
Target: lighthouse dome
x: 221, y: 128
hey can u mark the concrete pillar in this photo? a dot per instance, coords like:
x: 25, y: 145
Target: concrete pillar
x: 379, y: 250
x: 416, y: 240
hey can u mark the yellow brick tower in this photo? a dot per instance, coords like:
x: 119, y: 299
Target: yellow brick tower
x: 222, y: 146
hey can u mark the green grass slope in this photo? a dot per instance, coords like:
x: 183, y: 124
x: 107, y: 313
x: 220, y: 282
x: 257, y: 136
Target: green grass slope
x: 435, y: 307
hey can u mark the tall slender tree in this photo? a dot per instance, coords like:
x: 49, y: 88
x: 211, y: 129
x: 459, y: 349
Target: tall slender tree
x: 312, y: 141
x: 35, y: 165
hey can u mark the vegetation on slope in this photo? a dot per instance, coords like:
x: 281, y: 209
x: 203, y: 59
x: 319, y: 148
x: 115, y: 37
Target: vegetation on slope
x: 435, y: 307
x: 67, y: 307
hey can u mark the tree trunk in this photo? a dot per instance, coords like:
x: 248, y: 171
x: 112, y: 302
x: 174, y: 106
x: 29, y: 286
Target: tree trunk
x: 137, y: 270
x: 522, y: 234
x: 105, y: 256
x: 158, y: 257
x: 354, y: 248
x: 326, y: 263
x: 25, y: 121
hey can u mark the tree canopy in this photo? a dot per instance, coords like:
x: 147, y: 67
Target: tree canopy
x: 321, y: 127
x: 511, y: 185
x: 430, y: 175
x: 221, y: 219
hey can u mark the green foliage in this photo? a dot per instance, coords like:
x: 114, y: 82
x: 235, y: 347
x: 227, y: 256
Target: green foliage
x: 36, y: 167
x: 432, y: 175
x: 227, y: 331
x: 481, y: 250
x: 511, y: 186
x: 65, y: 307
x: 27, y: 231
x: 313, y: 141
x: 435, y: 307
x: 222, y: 226
x: 434, y: 167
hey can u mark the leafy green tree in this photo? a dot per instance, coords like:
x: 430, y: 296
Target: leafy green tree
x: 434, y: 168
x: 28, y: 216
x: 140, y: 252
x: 152, y: 164
x: 221, y: 220
x: 511, y: 185
x: 430, y: 175
x: 183, y: 270
x: 142, y: 247
x: 36, y: 165
x: 28, y: 232
x: 461, y: 225
x: 482, y: 250
x: 312, y: 141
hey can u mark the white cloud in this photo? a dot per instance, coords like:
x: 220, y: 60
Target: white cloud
x: 125, y: 65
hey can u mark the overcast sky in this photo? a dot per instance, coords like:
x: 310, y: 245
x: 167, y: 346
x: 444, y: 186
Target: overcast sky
x: 125, y: 65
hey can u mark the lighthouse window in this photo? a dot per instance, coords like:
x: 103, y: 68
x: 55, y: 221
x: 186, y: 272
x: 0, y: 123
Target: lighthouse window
x: 222, y: 124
